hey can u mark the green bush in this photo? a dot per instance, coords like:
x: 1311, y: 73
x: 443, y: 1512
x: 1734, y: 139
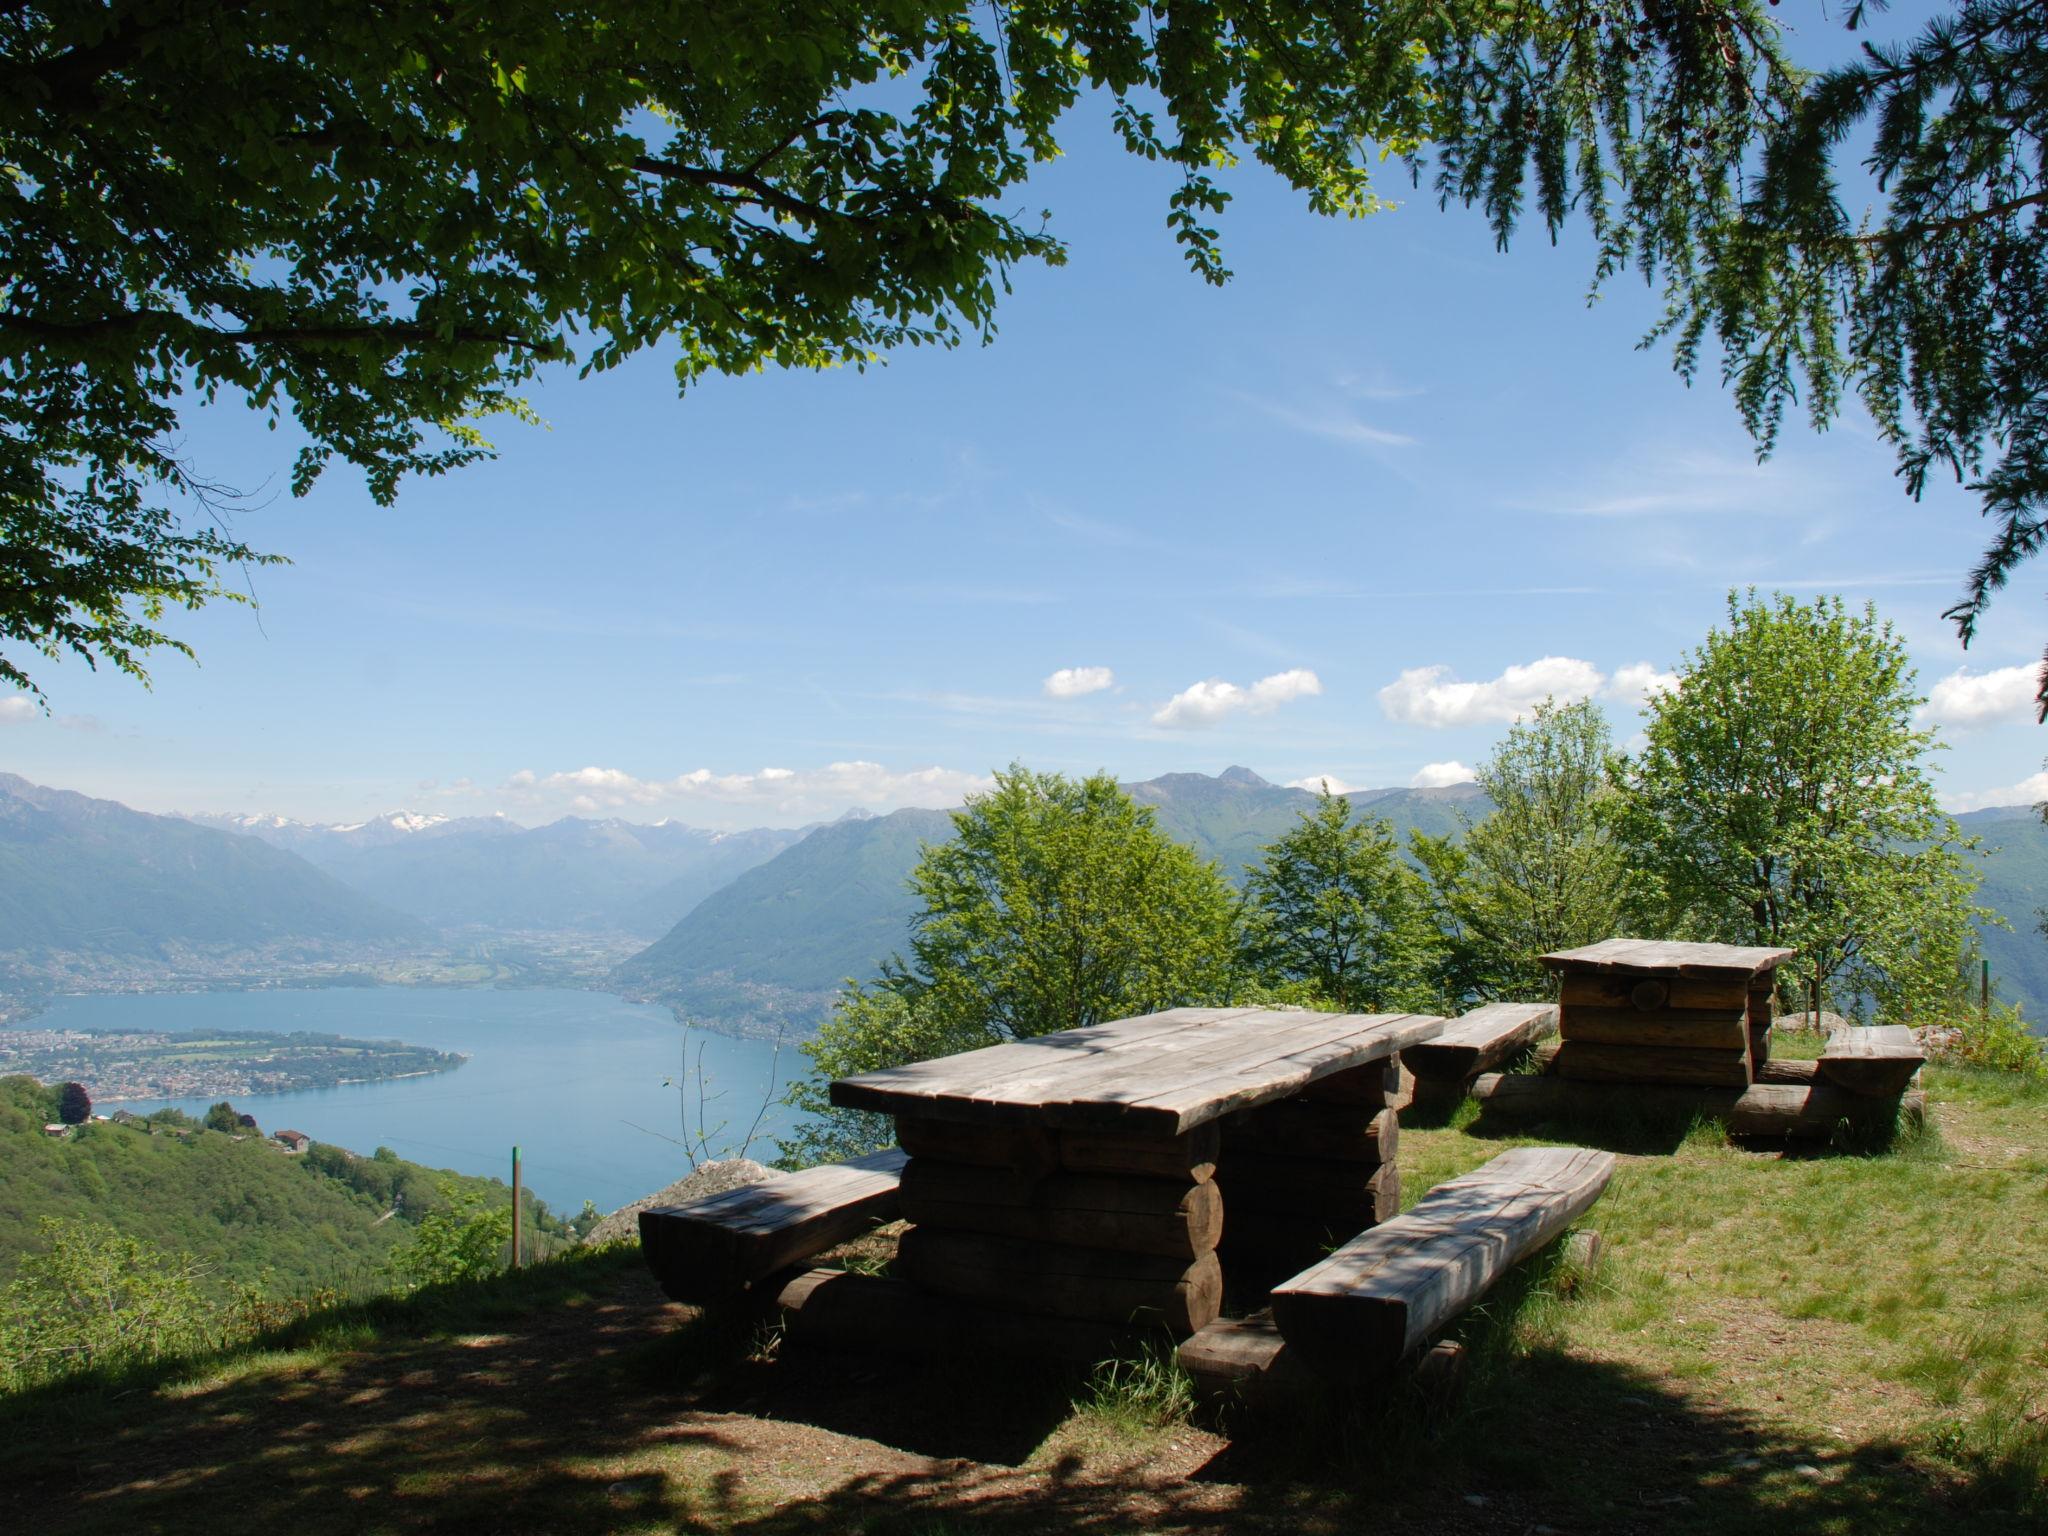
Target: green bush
x: 467, y: 1239
x: 1997, y: 1039
x: 95, y: 1300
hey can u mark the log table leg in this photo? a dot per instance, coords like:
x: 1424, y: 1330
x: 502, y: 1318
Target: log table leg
x: 1069, y: 1225
x: 1305, y: 1174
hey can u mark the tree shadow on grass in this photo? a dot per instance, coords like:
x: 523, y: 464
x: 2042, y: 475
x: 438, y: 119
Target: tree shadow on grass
x: 598, y: 1407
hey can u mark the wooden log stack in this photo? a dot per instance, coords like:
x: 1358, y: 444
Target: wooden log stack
x: 1307, y: 1173
x: 1079, y: 1225
x: 1633, y: 1011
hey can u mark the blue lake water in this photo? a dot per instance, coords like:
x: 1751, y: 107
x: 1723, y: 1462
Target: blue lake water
x: 575, y: 1079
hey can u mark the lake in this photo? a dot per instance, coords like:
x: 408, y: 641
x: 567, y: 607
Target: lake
x: 575, y: 1079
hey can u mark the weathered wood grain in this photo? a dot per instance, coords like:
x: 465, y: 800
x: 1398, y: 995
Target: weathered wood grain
x: 1032, y: 1152
x: 1133, y: 1215
x: 1062, y: 1281
x: 1378, y: 1298
x: 833, y: 1309
x: 1244, y: 1362
x: 1684, y: 1028
x: 1299, y: 1128
x: 1878, y: 1062
x: 1591, y: 1062
x: 708, y: 1249
x: 1481, y: 1040
x: 1376, y: 1086
x: 1162, y: 1075
x: 1594, y: 990
x: 1678, y: 959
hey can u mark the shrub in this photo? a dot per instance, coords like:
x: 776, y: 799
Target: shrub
x: 466, y: 1239
x: 94, y: 1300
x: 1998, y: 1040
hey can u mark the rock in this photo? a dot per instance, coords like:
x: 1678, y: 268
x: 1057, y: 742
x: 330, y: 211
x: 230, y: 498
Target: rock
x: 623, y: 1225
x: 1829, y: 1022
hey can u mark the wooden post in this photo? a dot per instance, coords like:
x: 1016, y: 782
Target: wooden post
x: 1813, y: 1018
x: 515, y: 1207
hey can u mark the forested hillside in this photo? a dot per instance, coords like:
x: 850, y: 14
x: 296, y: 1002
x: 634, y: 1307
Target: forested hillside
x: 771, y: 949
x: 87, y: 876
x: 246, y: 1210
x: 2014, y: 861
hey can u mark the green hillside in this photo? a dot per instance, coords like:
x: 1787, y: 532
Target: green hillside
x: 246, y: 1210
x: 774, y: 945
x: 91, y: 877
x: 770, y: 949
x: 2015, y: 865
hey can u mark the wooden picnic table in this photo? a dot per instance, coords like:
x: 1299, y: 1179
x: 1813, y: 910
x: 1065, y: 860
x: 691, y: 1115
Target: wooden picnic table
x: 1095, y: 1173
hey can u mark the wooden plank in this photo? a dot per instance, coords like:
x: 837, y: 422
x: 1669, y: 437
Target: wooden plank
x: 1093, y: 1283
x: 1481, y: 1040
x: 1592, y: 990
x: 1685, y: 1028
x: 1243, y: 1361
x: 1032, y: 1152
x: 1591, y: 1062
x: 1767, y: 1111
x: 1668, y: 956
x: 834, y: 1309
x: 1374, y: 1086
x: 1085, y: 1210
x: 1339, y: 1206
x: 708, y: 1249
x: 1379, y: 1298
x: 1164, y: 1075
x: 1299, y: 1128
x: 1285, y: 1065
x: 1782, y: 1072
x: 1879, y: 1062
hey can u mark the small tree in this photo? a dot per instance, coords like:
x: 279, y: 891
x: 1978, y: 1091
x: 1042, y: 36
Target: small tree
x: 467, y: 1239
x: 1783, y: 799
x: 222, y: 1117
x: 74, y: 1104
x: 1334, y: 906
x: 1057, y: 903
x: 94, y: 1299
x: 1543, y: 869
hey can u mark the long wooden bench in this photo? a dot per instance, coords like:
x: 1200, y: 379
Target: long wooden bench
x: 1378, y: 1298
x: 1878, y: 1063
x: 709, y: 1249
x: 1480, y: 1041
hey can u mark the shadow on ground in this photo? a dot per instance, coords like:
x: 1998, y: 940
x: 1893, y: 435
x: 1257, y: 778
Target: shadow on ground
x: 608, y: 1409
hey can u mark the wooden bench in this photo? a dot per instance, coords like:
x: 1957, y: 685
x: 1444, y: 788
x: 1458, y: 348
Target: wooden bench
x: 1378, y: 1298
x: 1481, y: 1040
x: 712, y: 1248
x: 1878, y: 1063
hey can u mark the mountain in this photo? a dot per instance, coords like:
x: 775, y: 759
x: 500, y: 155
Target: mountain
x: 2014, y: 862
x: 770, y: 949
x: 605, y: 876
x: 91, y: 877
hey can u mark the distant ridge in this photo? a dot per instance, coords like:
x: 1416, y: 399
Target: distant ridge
x: 92, y: 877
x: 770, y: 950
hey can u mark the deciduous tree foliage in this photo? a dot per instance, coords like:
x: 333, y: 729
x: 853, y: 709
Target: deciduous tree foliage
x: 1333, y: 906
x: 1783, y: 799
x: 74, y: 1104
x: 1543, y: 869
x: 379, y: 221
x: 1056, y: 904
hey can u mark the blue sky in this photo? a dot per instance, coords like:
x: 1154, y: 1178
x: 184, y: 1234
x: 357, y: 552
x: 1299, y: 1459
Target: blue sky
x: 1343, y: 517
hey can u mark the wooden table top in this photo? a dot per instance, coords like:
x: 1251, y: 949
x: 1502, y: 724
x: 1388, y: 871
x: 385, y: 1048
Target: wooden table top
x: 1160, y: 1074
x: 1660, y: 958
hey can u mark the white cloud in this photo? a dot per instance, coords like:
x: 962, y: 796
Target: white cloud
x: 2027, y: 792
x: 1440, y: 775
x: 1318, y: 783
x: 1431, y: 696
x: 789, y: 794
x: 1638, y: 683
x: 1073, y: 682
x: 16, y: 708
x: 1981, y: 698
x: 1210, y: 701
x: 1341, y: 429
x: 1688, y: 483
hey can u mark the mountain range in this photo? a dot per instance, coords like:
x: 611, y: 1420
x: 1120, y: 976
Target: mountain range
x: 490, y: 873
x: 750, y: 931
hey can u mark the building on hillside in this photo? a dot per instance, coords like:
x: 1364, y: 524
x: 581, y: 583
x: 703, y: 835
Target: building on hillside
x: 57, y: 1128
x: 294, y: 1141
x: 127, y: 1117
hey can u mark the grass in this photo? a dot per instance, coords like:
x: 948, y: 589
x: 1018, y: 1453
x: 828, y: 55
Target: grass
x: 1772, y: 1342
